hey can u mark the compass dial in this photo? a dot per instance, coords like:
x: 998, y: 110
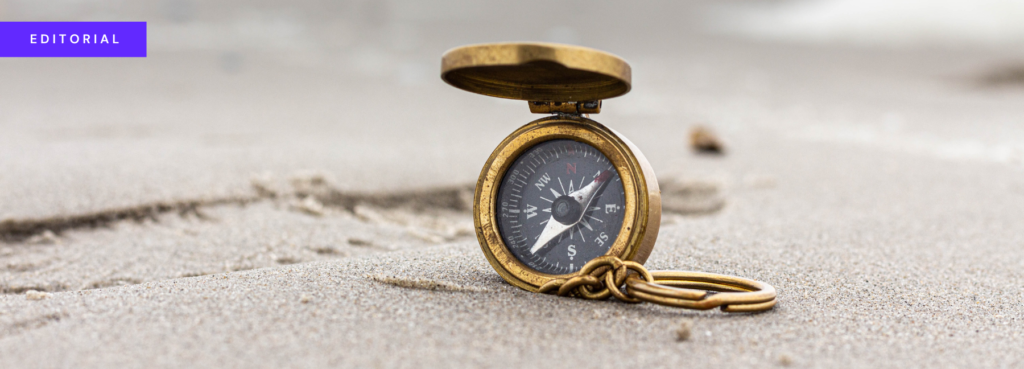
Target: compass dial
x: 560, y: 204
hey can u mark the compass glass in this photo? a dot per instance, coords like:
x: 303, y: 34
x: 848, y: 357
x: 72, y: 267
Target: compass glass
x: 560, y: 204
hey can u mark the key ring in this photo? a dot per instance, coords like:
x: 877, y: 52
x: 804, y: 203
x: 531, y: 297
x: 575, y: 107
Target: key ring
x: 630, y: 282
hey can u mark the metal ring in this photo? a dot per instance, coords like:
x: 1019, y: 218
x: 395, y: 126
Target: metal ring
x: 613, y: 287
x: 604, y: 277
x: 577, y: 281
x: 740, y: 294
x: 597, y: 268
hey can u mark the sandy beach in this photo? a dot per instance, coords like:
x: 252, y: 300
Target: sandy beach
x: 292, y: 187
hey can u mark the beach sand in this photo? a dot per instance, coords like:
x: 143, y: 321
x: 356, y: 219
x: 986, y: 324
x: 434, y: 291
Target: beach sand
x: 305, y: 205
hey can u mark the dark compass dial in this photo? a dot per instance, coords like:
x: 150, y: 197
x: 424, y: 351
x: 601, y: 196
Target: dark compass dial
x: 560, y: 205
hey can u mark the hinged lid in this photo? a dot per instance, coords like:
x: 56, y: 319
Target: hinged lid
x: 536, y: 71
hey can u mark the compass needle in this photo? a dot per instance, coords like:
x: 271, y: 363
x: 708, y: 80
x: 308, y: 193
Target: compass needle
x: 551, y: 230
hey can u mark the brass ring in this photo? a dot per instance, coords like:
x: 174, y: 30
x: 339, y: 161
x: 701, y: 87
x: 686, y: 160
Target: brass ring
x: 613, y: 288
x: 702, y: 291
x: 578, y: 281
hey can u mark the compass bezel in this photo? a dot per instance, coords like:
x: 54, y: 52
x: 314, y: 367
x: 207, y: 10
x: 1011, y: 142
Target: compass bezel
x: 641, y: 219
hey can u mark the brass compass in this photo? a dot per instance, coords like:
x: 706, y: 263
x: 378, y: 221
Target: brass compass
x: 565, y: 204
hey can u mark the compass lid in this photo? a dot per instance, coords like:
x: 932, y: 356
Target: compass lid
x: 536, y: 71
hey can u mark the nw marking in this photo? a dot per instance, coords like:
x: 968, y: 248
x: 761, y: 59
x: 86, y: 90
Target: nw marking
x: 542, y: 181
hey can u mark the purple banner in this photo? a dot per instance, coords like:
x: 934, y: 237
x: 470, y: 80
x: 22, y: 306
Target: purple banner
x: 73, y: 39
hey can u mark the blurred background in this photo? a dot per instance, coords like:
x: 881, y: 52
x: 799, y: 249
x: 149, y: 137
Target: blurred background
x: 871, y: 172
x: 233, y: 89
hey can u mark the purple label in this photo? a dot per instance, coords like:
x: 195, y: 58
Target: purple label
x: 73, y: 39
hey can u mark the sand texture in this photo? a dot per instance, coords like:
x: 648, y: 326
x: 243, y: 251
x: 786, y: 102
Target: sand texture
x: 301, y: 195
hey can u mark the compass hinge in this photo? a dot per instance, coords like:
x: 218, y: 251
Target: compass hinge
x: 565, y: 107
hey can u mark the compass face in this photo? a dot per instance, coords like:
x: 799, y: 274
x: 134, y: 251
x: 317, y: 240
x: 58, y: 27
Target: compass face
x: 560, y: 204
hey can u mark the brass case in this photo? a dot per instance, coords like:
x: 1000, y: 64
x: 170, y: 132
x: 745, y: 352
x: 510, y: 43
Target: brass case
x: 643, y: 197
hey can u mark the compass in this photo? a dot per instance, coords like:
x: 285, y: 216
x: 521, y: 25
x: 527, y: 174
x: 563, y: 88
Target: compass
x: 565, y: 203
x: 561, y: 206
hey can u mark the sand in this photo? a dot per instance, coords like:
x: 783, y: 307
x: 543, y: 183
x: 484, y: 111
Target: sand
x: 268, y: 205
